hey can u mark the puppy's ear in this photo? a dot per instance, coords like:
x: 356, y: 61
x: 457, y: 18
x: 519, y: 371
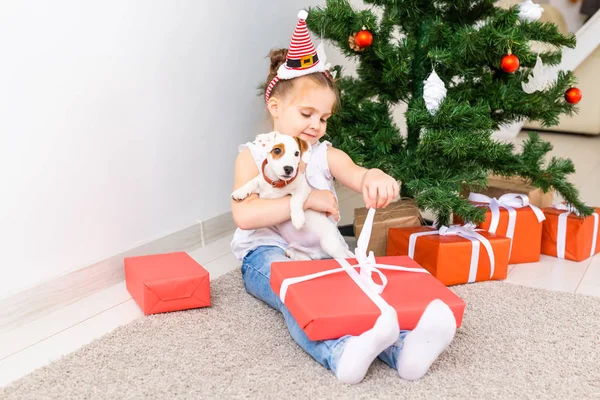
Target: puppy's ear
x: 305, y: 149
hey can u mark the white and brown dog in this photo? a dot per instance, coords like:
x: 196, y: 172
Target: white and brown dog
x: 311, y: 235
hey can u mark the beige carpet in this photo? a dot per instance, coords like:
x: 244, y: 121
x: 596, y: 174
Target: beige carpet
x: 515, y: 343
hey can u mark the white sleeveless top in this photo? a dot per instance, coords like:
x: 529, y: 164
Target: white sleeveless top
x: 318, y: 177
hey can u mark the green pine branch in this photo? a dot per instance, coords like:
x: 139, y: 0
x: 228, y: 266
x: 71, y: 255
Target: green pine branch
x: 441, y: 154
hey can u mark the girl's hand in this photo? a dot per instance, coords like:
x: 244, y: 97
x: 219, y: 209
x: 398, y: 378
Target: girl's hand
x: 323, y: 201
x: 379, y: 189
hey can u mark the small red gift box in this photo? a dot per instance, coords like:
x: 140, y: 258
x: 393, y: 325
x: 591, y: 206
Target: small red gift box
x: 167, y: 282
x: 568, y: 236
x: 512, y: 216
x: 454, y: 255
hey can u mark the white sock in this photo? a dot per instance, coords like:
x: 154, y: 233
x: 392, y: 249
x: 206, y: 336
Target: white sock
x: 360, y: 351
x: 425, y: 343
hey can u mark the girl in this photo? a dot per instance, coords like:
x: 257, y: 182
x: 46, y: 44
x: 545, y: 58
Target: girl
x: 300, y: 97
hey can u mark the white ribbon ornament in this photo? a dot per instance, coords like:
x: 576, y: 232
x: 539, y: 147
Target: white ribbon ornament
x: 468, y: 232
x: 367, y: 266
x: 434, y: 92
x: 509, y: 201
x: 529, y: 11
x: 561, y: 234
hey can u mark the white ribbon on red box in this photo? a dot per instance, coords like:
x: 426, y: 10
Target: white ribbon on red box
x: 561, y: 234
x: 509, y: 201
x: 467, y: 231
x: 367, y: 266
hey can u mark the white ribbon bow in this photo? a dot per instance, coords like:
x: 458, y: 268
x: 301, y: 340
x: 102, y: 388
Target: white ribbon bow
x: 566, y: 207
x: 509, y: 201
x: 367, y: 266
x: 468, y: 232
x: 561, y: 234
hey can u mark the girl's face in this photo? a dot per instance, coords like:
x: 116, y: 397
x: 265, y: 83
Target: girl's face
x: 304, y: 112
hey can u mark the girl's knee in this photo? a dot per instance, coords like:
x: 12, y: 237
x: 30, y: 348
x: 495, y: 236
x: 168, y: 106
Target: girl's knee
x: 260, y: 260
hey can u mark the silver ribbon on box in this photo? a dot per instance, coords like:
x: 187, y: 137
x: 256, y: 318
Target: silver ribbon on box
x: 561, y: 234
x: 467, y: 231
x: 510, y: 202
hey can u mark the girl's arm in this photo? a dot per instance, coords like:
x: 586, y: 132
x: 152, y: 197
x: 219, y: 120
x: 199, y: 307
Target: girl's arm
x: 254, y: 212
x: 378, y: 188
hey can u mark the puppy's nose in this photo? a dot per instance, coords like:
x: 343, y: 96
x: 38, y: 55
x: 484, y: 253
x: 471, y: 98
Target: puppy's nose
x: 288, y: 169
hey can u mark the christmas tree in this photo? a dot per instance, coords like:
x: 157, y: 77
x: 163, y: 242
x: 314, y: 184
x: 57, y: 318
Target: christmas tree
x: 463, y: 68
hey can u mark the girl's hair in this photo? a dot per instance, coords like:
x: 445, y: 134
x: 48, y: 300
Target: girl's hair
x: 285, y: 86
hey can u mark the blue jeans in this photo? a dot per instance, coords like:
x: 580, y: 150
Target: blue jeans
x: 256, y: 272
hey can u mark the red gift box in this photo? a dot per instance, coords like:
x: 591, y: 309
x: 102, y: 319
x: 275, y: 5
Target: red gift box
x: 167, y: 282
x: 513, y: 216
x: 454, y: 255
x: 568, y: 236
x: 331, y: 306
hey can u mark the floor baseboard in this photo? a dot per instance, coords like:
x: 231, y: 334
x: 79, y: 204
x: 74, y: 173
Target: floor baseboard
x: 43, y: 299
x: 30, y: 304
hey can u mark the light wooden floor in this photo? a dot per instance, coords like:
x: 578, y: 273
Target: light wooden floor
x: 38, y: 343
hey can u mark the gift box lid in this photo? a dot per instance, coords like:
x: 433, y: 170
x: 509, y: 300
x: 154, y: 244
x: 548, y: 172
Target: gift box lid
x: 169, y: 276
x: 503, y: 210
x: 556, y: 211
x: 498, y: 186
x: 443, y: 239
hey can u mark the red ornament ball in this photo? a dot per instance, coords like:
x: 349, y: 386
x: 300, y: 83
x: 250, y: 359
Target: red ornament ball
x: 364, y: 38
x: 509, y: 63
x: 573, y: 95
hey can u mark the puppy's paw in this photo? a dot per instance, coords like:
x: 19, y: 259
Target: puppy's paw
x: 298, y: 219
x: 240, y: 194
x: 296, y: 255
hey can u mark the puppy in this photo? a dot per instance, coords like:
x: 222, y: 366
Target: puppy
x: 312, y: 235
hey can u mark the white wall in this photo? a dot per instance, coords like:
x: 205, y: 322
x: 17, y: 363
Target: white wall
x: 120, y: 120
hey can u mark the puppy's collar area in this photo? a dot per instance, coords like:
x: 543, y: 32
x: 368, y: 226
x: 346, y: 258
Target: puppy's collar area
x: 279, y: 183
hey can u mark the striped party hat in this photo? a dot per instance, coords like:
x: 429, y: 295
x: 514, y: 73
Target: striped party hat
x: 302, y: 57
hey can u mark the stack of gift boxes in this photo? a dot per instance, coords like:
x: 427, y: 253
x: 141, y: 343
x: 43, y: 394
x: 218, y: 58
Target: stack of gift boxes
x: 415, y: 264
x: 332, y: 298
x: 400, y: 263
x: 516, y: 230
